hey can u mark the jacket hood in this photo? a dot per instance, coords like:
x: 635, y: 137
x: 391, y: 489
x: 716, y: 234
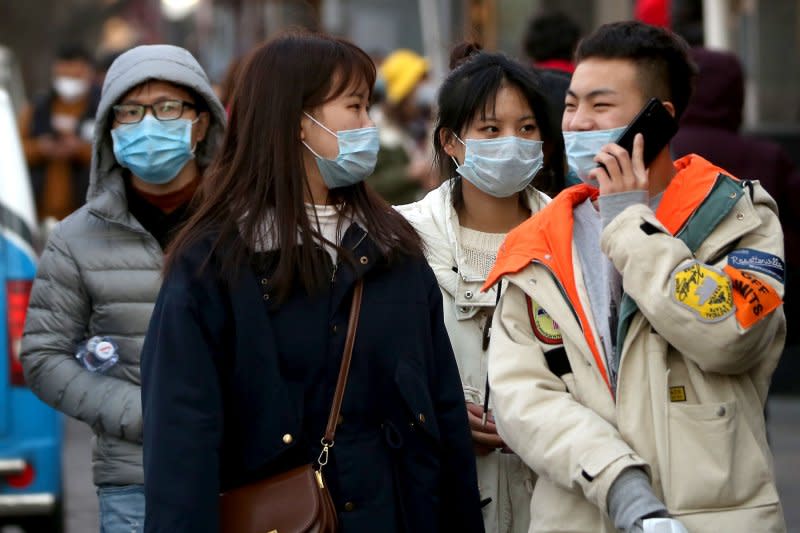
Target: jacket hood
x: 138, y: 65
x: 719, y: 91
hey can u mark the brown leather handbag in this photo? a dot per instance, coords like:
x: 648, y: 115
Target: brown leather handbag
x: 296, y: 501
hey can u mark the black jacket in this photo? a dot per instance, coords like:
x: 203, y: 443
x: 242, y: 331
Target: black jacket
x: 227, y: 376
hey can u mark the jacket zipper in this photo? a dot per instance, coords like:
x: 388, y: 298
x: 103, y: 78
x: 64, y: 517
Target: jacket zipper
x: 562, y: 290
x: 574, y: 313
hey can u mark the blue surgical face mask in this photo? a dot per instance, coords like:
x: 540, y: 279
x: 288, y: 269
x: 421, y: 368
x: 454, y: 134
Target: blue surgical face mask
x: 358, y: 153
x: 154, y: 150
x: 501, y: 167
x: 582, y: 146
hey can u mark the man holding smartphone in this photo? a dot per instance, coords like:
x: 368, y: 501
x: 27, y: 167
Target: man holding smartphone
x: 633, y: 349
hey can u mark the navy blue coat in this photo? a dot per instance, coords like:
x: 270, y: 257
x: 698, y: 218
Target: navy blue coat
x: 227, y: 376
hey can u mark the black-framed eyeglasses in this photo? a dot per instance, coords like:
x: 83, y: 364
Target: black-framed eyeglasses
x: 164, y: 110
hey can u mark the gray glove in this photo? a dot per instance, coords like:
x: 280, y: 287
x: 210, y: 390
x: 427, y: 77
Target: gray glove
x: 631, y: 500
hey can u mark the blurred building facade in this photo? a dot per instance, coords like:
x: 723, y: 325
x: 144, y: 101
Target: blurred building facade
x: 764, y: 33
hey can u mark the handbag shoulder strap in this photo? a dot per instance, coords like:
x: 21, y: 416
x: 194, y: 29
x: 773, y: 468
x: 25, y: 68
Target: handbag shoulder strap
x: 344, y: 370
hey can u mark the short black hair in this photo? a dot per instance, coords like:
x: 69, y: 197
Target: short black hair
x: 471, y: 88
x: 551, y: 35
x: 664, y: 67
x: 73, y: 52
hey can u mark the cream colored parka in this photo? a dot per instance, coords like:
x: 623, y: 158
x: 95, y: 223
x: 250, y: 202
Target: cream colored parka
x: 502, y: 477
x: 705, y: 329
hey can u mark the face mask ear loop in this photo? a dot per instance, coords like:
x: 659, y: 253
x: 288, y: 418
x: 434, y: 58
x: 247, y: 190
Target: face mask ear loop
x: 320, y: 124
x: 462, y: 142
x: 312, y: 150
x: 193, y: 122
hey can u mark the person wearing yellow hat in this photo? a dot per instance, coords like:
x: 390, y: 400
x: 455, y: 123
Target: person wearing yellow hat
x: 402, y: 71
x: 404, y: 171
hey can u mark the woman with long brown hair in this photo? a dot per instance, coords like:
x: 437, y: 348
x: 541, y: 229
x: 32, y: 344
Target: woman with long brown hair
x: 247, y: 336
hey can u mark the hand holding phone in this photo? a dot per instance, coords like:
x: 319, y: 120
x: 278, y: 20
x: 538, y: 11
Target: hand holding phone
x: 656, y: 126
x: 624, y: 166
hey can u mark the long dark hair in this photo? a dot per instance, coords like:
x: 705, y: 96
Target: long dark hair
x: 258, y: 178
x: 471, y: 87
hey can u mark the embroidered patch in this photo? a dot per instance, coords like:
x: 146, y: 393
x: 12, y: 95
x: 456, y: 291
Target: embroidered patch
x: 763, y: 263
x: 677, y: 394
x: 754, y: 299
x: 704, y: 290
x: 544, y: 327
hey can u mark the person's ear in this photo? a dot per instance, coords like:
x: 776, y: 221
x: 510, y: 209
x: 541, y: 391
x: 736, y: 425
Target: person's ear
x: 305, y: 123
x: 201, y: 126
x: 448, y: 141
x: 670, y: 107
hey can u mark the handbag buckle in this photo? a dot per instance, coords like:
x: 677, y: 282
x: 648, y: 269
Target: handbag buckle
x: 322, y: 460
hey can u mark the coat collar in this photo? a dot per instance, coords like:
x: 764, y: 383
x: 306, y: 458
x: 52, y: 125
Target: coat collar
x: 547, y: 237
x: 111, y: 203
x: 435, y: 218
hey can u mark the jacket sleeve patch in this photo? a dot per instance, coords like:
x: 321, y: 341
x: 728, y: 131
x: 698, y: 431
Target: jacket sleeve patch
x: 763, y: 263
x: 754, y: 299
x: 704, y: 290
x: 544, y: 327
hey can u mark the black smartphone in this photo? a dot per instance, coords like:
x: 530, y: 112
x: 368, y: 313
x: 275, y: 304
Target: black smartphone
x: 656, y: 125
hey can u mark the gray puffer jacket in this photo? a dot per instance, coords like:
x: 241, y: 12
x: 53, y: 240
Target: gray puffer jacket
x: 100, y: 275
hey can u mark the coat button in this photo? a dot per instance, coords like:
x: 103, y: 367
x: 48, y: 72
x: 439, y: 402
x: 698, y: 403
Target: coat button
x: 468, y: 295
x: 288, y: 439
x: 364, y: 260
x: 739, y: 216
x: 349, y: 506
x: 732, y: 195
x: 721, y: 410
x: 264, y: 281
x: 421, y: 418
x: 334, y: 329
x: 266, y: 296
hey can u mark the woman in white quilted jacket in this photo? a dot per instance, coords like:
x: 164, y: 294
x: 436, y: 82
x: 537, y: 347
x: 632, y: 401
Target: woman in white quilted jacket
x: 500, y: 154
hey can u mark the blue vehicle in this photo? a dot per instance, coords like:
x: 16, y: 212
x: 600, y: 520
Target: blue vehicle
x: 31, y: 432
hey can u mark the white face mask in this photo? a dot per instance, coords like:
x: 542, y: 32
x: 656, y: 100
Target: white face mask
x: 70, y: 89
x: 501, y: 167
x: 582, y: 146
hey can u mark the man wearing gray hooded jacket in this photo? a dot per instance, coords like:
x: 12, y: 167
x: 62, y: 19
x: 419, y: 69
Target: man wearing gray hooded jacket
x: 158, y: 126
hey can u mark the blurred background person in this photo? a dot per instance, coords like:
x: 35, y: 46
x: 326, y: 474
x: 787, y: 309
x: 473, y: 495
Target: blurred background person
x: 159, y: 124
x: 404, y: 171
x: 654, y: 12
x: 57, y: 133
x: 104, y: 62
x: 513, y: 154
x: 549, y: 43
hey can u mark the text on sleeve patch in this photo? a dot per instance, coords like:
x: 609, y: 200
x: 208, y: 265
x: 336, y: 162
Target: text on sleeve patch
x: 761, y: 262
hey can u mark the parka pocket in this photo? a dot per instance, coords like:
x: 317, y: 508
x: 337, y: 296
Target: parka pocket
x: 417, y: 398
x: 714, y: 460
